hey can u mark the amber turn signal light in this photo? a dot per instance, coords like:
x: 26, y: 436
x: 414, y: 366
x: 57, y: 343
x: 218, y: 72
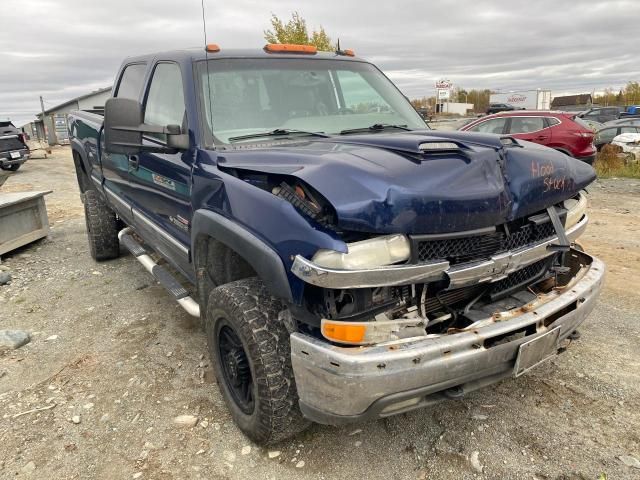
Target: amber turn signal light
x: 343, y: 332
x: 290, y: 48
x: 212, y: 48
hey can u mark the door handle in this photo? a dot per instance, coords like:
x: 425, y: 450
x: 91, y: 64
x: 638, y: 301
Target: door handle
x: 134, y: 162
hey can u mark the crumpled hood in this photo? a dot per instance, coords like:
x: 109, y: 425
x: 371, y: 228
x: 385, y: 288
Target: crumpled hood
x: 384, y: 183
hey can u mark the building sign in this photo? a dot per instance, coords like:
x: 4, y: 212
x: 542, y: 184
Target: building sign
x: 443, y: 85
x: 443, y: 94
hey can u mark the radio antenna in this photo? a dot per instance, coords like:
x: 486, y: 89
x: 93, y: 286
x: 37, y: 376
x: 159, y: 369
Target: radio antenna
x: 206, y: 56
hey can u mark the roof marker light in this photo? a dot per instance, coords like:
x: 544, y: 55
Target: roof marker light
x: 212, y: 48
x: 346, y: 52
x: 290, y: 48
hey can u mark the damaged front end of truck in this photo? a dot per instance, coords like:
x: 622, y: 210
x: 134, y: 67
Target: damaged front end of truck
x: 457, y: 265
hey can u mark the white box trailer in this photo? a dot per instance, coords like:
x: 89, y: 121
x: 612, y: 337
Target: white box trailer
x: 527, y: 99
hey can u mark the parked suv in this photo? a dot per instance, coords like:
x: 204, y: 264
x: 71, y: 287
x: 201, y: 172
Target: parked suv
x: 13, y: 147
x: 602, y: 114
x: 558, y: 130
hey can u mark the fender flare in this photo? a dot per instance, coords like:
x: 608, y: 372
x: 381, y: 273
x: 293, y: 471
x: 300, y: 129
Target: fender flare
x: 76, y: 146
x: 262, y: 258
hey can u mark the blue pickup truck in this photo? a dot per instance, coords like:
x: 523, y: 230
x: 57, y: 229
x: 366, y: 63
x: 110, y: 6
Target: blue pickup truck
x: 347, y: 262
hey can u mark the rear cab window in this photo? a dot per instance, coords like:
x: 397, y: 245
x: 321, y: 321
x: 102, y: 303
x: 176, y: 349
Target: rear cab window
x: 131, y: 81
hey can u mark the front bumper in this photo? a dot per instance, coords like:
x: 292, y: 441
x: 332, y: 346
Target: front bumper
x: 338, y: 385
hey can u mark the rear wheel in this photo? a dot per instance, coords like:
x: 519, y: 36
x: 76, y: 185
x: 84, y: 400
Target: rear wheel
x: 251, y: 356
x: 13, y: 167
x: 102, y: 227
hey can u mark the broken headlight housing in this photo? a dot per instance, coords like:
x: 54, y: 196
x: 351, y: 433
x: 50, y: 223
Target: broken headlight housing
x: 371, y: 253
x: 576, y: 208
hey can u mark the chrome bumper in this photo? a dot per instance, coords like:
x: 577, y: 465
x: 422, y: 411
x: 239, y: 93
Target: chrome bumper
x: 5, y: 162
x: 493, y: 269
x: 347, y: 384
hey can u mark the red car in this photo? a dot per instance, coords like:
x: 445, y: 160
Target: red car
x: 562, y: 131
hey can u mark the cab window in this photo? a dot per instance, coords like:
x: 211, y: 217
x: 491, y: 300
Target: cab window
x: 131, y: 81
x: 165, y: 101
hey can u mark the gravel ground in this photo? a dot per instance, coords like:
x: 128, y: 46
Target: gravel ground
x: 113, y: 361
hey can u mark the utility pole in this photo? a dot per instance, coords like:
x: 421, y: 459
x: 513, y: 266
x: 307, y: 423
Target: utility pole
x: 44, y: 128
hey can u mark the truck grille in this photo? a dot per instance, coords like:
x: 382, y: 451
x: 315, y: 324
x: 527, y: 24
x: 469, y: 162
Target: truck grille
x: 520, y: 278
x: 7, y: 144
x: 480, y: 247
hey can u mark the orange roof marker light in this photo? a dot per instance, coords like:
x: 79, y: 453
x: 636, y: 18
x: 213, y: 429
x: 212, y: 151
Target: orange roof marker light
x: 290, y: 48
x: 212, y: 48
x: 346, y: 52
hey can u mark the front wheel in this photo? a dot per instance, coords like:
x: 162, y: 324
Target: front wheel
x: 102, y: 227
x: 251, y: 357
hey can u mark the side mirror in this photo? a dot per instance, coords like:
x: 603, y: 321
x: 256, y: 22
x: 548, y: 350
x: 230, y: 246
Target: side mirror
x: 123, y: 129
x: 120, y: 116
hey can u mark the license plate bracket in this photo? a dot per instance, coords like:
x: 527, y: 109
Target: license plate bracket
x: 15, y: 155
x: 536, y: 351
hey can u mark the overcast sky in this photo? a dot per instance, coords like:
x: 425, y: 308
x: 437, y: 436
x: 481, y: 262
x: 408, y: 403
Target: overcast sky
x: 64, y: 48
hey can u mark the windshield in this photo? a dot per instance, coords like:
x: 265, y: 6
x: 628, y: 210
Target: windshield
x: 242, y: 97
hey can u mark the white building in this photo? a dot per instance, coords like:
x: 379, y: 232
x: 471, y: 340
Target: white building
x: 55, y: 121
x: 455, y: 108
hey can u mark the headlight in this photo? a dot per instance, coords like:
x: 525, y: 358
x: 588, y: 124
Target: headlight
x: 372, y: 253
x: 576, y: 208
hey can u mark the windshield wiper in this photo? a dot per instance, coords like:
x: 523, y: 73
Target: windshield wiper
x: 278, y: 132
x: 376, y: 127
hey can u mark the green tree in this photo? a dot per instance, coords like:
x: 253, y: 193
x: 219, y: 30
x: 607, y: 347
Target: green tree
x: 295, y: 31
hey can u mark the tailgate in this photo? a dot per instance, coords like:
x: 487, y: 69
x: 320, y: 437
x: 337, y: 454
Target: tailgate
x: 11, y: 143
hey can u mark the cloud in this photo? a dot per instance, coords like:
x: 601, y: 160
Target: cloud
x: 62, y: 49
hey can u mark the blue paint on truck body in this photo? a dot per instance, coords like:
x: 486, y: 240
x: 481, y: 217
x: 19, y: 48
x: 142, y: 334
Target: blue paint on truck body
x: 377, y: 183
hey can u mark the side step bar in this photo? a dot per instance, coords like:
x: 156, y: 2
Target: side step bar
x: 160, y: 273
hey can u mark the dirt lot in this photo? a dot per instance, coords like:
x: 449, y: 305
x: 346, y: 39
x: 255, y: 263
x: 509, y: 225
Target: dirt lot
x: 111, y: 351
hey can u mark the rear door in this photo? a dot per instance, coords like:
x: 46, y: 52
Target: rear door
x: 492, y: 125
x: 530, y: 128
x: 160, y: 183
x: 115, y: 167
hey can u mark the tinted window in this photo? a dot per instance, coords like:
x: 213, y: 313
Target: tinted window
x: 131, y: 81
x: 629, y: 130
x: 165, y: 101
x: 526, y: 124
x: 495, y: 125
x: 606, y: 135
x: 553, y: 121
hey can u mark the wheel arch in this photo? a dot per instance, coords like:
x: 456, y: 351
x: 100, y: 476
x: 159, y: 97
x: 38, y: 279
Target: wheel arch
x: 81, y: 164
x: 212, y: 230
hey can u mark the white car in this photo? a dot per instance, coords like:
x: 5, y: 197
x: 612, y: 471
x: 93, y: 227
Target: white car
x: 630, y: 144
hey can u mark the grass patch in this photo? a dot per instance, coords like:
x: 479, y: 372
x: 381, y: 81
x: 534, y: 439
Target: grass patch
x: 609, y: 164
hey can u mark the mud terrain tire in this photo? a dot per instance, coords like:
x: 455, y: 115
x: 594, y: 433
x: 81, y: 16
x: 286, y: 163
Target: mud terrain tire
x: 261, y: 351
x: 102, y: 227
